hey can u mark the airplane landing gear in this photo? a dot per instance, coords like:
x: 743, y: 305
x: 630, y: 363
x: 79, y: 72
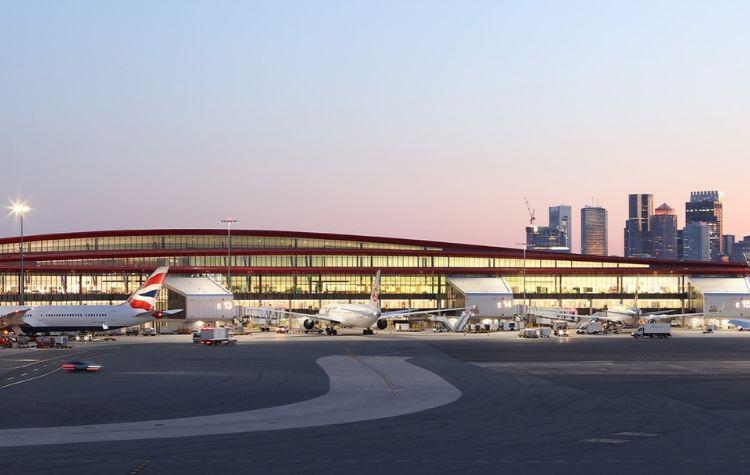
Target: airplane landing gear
x: 331, y: 331
x: 367, y: 331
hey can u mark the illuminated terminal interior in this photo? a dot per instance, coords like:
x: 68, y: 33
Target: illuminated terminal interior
x: 304, y: 271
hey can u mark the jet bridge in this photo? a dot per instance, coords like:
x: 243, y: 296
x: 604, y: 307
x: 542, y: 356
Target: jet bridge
x: 202, y: 298
x: 547, y: 315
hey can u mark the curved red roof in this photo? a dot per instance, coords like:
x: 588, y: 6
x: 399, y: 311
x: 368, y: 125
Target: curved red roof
x: 438, y: 248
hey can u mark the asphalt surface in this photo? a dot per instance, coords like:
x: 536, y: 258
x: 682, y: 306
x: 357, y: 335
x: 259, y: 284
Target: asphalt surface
x: 587, y: 403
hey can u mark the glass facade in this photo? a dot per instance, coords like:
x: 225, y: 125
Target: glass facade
x: 304, y: 272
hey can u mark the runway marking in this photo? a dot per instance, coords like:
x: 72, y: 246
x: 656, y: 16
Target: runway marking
x: 391, y: 387
x: 140, y: 467
x: 28, y: 379
x: 354, y: 395
x: 598, y: 440
x: 636, y: 434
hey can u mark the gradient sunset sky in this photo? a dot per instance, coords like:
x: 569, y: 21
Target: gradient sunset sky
x: 413, y: 119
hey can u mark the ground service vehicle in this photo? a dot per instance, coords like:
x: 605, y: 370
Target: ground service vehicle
x: 216, y: 336
x: 653, y: 330
x: 529, y: 333
x: 590, y: 328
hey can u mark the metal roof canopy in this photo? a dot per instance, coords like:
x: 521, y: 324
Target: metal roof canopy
x: 205, y: 299
x: 724, y: 296
x: 195, y: 286
x: 721, y: 285
x: 491, y: 295
x: 480, y: 285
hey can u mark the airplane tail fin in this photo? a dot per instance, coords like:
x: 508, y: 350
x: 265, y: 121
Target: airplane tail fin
x: 375, y: 295
x: 145, y: 297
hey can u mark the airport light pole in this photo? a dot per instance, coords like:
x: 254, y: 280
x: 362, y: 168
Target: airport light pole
x: 19, y: 209
x: 525, y: 247
x: 228, y: 222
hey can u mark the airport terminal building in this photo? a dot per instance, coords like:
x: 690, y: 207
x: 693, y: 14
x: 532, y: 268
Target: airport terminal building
x: 303, y: 271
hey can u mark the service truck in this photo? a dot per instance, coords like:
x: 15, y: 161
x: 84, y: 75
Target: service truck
x: 590, y: 328
x: 216, y: 336
x: 653, y: 330
x: 529, y: 333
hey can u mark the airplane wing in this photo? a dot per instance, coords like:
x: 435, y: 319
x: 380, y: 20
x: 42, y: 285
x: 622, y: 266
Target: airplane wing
x: 288, y: 313
x: 660, y: 316
x: 740, y: 323
x: 660, y: 312
x: 160, y: 313
x: 409, y: 312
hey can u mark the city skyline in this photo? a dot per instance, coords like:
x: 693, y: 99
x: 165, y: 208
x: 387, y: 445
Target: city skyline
x: 349, y: 119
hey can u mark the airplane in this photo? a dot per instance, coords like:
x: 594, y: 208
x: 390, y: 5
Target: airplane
x: 363, y: 316
x: 632, y: 316
x: 138, y: 308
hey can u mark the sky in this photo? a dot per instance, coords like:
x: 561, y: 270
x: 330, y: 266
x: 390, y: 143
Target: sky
x: 415, y: 119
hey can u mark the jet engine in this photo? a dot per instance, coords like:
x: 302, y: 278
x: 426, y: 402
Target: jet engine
x: 382, y: 324
x: 308, y: 324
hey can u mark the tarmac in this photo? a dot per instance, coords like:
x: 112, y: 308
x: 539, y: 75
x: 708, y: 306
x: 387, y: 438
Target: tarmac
x: 411, y: 402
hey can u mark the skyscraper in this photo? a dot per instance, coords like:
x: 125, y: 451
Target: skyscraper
x: 664, y: 233
x: 556, y: 236
x: 696, y: 242
x: 728, y: 241
x: 594, y: 230
x: 545, y: 238
x: 638, y: 225
x: 741, y: 250
x: 561, y: 217
x: 708, y: 207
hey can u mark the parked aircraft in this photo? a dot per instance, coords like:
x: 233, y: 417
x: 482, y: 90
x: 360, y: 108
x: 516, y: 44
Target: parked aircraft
x: 632, y: 316
x: 363, y: 316
x: 139, y: 308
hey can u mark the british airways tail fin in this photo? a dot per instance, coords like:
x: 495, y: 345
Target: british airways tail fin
x: 145, y: 297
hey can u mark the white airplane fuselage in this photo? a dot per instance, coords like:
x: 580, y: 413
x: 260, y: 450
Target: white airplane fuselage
x: 82, y: 317
x: 351, y: 315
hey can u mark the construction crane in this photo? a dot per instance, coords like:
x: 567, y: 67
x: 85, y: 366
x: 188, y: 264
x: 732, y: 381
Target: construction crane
x: 532, y: 218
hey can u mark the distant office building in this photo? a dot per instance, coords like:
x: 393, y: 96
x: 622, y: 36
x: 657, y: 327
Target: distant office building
x: 561, y: 218
x: 545, y: 238
x: 638, y: 225
x: 708, y: 207
x: 727, y: 243
x: 664, y: 233
x: 696, y: 242
x: 556, y: 236
x: 594, y: 230
x: 680, y: 244
x: 741, y: 250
